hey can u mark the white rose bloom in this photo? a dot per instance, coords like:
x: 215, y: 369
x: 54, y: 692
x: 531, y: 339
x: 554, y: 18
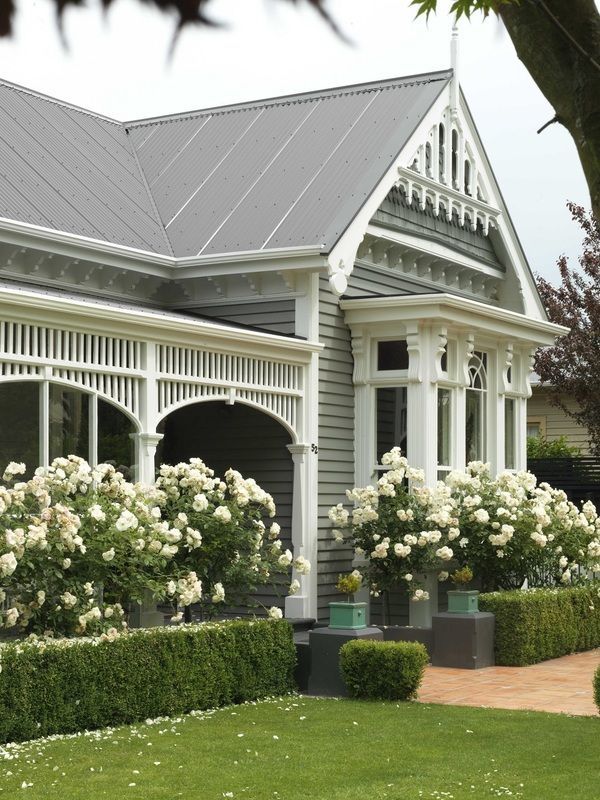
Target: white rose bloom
x: 563, y: 561
x: 222, y: 513
x: 566, y: 576
x: 420, y: 594
x: 274, y: 530
x: 66, y: 563
x: 339, y: 515
x: 402, y: 550
x: 218, y: 593
x: 408, y: 577
x: 108, y: 555
x: 41, y: 597
x: 12, y: 615
x: 443, y: 576
x: 294, y: 587
x: 68, y: 600
x: 285, y: 559
x: 177, y: 617
x: 275, y: 613
x: 445, y: 553
x: 88, y: 588
x: 126, y: 521
x: 96, y: 513
x: 481, y: 515
x: 302, y: 565
x: 155, y: 512
x: 8, y: 564
x: 200, y: 503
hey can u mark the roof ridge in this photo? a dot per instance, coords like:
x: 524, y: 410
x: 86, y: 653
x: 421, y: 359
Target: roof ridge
x: 369, y: 86
x: 58, y: 102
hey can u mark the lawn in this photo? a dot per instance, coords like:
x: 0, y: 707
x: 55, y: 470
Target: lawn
x: 297, y: 747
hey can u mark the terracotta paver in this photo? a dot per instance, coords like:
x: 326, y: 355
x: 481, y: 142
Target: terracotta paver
x: 561, y: 685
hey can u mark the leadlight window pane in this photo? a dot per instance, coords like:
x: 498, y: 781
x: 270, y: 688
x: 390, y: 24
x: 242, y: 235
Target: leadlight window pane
x: 392, y: 355
x: 391, y: 420
x: 443, y: 427
x: 509, y: 434
x: 68, y: 422
x: 114, y: 442
x: 20, y: 424
x: 474, y: 425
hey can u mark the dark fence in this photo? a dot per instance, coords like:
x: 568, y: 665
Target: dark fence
x: 579, y: 476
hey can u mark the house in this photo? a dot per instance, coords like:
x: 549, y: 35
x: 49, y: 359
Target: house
x: 548, y: 421
x: 289, y: 286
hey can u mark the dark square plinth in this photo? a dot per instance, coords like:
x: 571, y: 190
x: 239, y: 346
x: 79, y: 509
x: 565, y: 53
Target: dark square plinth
x: 325, y: 643
x: 463, y: 640
x: 406, y: 633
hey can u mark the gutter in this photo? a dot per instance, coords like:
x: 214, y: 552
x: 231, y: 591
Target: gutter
x: 167, y: 266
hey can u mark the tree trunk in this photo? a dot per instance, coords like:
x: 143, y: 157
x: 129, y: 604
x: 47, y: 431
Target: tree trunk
x: 558, y: 41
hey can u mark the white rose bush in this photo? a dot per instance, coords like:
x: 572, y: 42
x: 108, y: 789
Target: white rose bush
x: 78, y: 545
x: 507, y: 529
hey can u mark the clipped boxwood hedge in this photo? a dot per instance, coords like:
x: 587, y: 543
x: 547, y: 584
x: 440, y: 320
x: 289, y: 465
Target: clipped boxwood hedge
x: 73, y: 685
x: 538, y: 624
x: 597, y: 688
x: 382, y: 670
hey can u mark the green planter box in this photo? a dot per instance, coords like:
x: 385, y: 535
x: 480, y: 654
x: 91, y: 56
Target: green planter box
x: 350, y: 616
x: 463, y: 602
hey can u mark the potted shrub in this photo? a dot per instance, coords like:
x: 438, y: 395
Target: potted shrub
x: 462, y: 600
x: 348, y: 614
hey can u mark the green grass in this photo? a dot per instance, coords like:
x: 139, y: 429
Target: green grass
x: 297, y: 747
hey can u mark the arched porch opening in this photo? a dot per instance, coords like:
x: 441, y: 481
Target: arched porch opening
x: 245, y: 439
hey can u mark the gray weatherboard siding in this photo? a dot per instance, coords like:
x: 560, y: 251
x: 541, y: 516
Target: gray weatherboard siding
x: 276, y: 316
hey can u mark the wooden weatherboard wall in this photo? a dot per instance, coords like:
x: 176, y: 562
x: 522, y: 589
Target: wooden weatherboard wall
x: 336, y: 440
x: 554, y: 422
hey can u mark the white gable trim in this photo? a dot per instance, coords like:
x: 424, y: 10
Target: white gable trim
x: 342, y: 257
x: 489, y: 211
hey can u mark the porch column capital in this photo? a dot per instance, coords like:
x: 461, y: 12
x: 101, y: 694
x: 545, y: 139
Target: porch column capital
x: 298, y: 449
x: 147, y: 439
x: 145, y: 450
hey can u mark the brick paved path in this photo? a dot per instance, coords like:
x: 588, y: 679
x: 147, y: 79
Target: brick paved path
x: 561, y: 685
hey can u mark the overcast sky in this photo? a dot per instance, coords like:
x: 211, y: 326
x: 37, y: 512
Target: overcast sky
x: 118, y: 66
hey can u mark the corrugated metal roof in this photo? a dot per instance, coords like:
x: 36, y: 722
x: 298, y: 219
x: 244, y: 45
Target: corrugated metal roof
x: 285, y: 172
x: 71, y: 171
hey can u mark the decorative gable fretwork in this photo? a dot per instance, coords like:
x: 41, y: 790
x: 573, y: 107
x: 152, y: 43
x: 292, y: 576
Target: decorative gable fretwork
x: 432, y: 269
x: 445, y: 171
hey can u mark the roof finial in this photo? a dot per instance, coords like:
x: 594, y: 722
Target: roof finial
x: 454, y: 84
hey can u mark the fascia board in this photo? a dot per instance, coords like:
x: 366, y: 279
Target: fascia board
x: 254, y: 261
x: 467, y: 314
x: 88, y: 317
x: 23, y: 234
x: 71, y: 245
x: 432, y: 249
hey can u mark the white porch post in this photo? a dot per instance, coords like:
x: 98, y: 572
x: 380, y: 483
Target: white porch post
x: 422, y: 437
x: 305, y: 524
x: 146, y: 441
x: 422, y: 402
x: 145, y: 451
x: 299, y: 605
